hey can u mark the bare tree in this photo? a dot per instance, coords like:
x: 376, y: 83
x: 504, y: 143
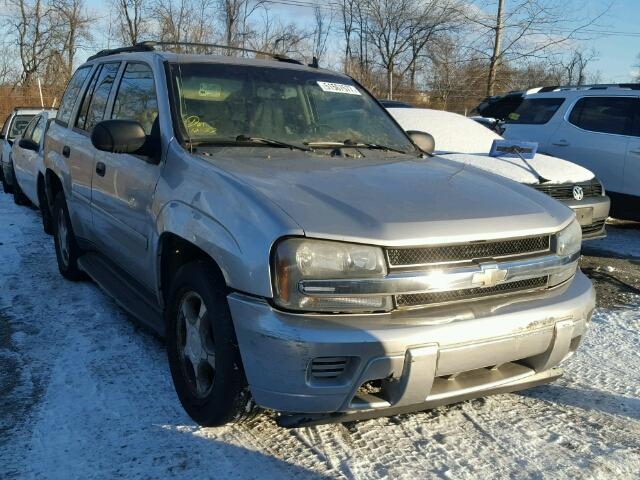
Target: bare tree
x: 526, y: 29
x: 72, y: 26
x: 322, y: 29
x: 132, y: 20
x: 575, y: 68
x: 637, y: 66
x: 235, y: 18
x: 276, y: 37
x: 31, y: 25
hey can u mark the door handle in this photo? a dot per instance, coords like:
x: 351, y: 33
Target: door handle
x: 66, y: 151
x: 101, y: 169
x: 561, y: 143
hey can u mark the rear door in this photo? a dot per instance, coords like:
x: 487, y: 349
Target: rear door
x: 123, y: 190
x: 78, y: 148
x: 595, y: 134
x: 631, y: 185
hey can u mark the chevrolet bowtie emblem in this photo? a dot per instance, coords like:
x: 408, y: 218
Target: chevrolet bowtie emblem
x: 490, y: 276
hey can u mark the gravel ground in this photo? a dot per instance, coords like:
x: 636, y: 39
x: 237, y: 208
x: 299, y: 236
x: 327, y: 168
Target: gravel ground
x: 85, y: 393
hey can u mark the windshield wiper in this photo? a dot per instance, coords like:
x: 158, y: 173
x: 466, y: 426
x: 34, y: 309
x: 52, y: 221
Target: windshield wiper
x: 270, y: 141
x: 352, y: 144
x: 245, y: 140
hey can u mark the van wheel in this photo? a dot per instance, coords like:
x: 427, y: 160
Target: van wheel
x: 19, y: 198
x: 47, y: 221
x: 67, y: 250
x: 203, y: 351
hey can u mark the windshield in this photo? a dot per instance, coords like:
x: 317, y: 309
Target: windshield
x: 221, y: 102
x: 18, y: 125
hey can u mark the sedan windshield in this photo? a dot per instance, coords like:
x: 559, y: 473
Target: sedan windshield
x: 222, y: 103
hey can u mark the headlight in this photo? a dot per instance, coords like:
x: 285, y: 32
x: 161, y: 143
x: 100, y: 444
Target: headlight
x: 569, y: 240
x: 298, y: 259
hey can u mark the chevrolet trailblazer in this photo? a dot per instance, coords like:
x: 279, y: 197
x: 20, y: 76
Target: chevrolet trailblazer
x: 298, y: 250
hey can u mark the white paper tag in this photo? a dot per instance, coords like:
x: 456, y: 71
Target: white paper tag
x: 338, y: 88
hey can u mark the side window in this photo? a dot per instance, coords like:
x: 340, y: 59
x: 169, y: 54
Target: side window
x: 5, y: 127
x: 98, y: 97
x: 604, y: 114
x: 535, y: 111
x: 38, y: 130
x: 28, y: 131
x: 136, y: 98
x: 86, y: 100
x: 71, y: 94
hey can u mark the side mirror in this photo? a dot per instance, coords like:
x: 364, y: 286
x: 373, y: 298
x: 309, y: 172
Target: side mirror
x: 423, y: 140
x: 28, y: 144
x: 119, y: 136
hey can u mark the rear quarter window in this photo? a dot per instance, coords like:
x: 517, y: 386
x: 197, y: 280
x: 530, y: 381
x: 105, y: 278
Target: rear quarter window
x: 535, y: 111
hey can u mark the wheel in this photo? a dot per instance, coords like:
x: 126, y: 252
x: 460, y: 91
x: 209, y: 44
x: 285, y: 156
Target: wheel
x: 47, y: 221
x: 67, y: 250
x: 203, y: 353
x: 19, y: 198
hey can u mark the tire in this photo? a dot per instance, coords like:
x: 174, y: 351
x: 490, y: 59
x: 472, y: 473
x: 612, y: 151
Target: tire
x: 45, y: 211
x: 19, y: 198
x: 67, y: 250
x: 219, y: 394
x: 6, y: 188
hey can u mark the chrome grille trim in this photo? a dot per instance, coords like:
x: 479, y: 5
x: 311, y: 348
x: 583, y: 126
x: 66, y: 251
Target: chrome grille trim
x: 436, y: 280
x: 413, y: 257
x: 564, y: 191
x: 432, y: 299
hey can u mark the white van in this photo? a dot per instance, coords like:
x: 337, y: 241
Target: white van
x: 597, y: 127
x: 463, y: 140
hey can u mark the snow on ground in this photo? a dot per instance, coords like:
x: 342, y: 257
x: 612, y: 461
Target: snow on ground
x: 86, y: 393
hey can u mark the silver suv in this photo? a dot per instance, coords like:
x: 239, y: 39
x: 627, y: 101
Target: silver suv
x: 297, y: 249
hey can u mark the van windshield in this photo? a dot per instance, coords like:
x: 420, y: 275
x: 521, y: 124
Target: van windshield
x: 220, y: 103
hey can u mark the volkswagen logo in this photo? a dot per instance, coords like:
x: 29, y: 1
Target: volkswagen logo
x: 578, y: 193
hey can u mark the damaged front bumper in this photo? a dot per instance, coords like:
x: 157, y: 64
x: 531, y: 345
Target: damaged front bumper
x: 327, y: 368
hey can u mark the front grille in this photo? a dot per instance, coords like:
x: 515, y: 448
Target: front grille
x: 593, y: 227
x: 436, y: 298
x: 564, y: 191
x: 466, y: 252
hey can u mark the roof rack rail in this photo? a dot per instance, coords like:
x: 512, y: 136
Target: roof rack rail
x: 150, y: 46
x: 593, y: 86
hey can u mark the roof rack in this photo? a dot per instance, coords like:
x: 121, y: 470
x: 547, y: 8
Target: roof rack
x: 150, y: 46
x: 594, y: 86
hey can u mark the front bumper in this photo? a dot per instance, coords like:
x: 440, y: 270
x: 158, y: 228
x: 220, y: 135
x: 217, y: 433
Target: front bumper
x: 422, y: 358
x: 599, y: 212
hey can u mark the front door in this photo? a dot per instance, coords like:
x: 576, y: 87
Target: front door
x: 124, y: 184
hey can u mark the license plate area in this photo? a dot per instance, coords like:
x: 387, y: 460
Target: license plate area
x: 584, y: 215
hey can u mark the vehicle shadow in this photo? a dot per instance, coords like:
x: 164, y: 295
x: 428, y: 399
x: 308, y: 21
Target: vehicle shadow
x: 586, y: 399
x: 604, y: 277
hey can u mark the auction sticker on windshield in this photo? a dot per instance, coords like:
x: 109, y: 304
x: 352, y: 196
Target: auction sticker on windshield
x: 338, y: 88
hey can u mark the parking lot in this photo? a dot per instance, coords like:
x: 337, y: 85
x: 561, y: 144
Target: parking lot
x: 86, y: 393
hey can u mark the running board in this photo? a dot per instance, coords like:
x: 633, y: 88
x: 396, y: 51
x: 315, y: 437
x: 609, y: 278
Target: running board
x: 124, y: 290
x: 443, y: 398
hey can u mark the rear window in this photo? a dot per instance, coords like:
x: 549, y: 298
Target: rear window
x: 535, y: 111
x: 18, y: 125
x: 604, y: 114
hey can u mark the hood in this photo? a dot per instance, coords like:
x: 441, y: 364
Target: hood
x: 393, y: 200
x: 464, y: 140
x: 554, y: 169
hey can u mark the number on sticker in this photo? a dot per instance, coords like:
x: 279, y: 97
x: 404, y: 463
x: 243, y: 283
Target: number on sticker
x: 338, y: 88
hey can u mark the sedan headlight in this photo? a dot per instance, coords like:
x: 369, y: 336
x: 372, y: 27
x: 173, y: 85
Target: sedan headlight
x: 298, y: 259
x: 569, y: 240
